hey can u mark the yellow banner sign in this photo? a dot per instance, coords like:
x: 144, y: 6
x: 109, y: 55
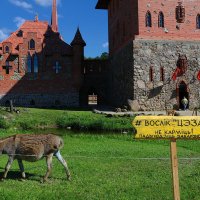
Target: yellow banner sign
x: 167, y: 127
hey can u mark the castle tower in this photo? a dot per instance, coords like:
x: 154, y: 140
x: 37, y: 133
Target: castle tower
x: 54, y: 17
x: 154, y: 53
x: 78, y: 45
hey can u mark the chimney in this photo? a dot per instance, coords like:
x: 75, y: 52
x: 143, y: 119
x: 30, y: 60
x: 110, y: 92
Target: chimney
x: 54, y: 17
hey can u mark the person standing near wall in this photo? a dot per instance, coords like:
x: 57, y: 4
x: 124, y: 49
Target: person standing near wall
x: 184, y: 101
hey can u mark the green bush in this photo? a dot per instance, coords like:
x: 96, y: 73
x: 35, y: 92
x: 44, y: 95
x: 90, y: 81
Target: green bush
x: 4, y: 124
x: 27, y: 125
x: 62, y: 122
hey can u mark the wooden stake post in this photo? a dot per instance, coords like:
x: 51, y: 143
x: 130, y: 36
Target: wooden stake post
x: 171, y: 128
x: 174, y: 163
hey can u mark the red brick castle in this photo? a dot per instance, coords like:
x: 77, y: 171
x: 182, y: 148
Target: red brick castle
x: 154, y: 51
x: 38, y: 68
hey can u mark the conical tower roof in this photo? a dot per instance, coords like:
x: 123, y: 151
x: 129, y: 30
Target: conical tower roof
x: 78, y: 40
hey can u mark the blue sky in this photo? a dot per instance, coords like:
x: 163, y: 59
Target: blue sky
x: 72, y: 13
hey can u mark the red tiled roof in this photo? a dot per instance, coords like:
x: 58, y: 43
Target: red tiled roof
x: 40, y: 27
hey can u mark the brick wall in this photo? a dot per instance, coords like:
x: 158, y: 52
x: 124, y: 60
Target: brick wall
x: 49, y: 48
x: 123, y: 23
x: 127, y: 21
x: 174, y: 30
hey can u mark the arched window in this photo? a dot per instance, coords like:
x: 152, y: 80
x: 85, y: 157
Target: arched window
x: 162, y: 75
x: 151, y: 74
x: 161, y: 20
x: 148, y: 19
x: 32, y: 44
x: 29, y: 64
x: 57, y: 67
x: 35, y: 62
x: 7, y: 49
x: 180, y: 13
x: 198, y: 21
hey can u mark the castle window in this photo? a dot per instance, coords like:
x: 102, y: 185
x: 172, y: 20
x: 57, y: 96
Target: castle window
x: 57, y: 68
x: 180, y: 13
x: 20, y: 33
x: 35, y: 62
x: 148, y: 19
x: 161, y: 20
x: 151, y: 74
x: 7, y: 67
x: 29, y: 64
x: 7, y: 49
x: 182, y: 63
x: 162, y: 76
x: 32, y: 44
x: 198, y: 21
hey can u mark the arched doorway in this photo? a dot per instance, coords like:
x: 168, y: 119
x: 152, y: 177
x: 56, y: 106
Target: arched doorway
x: 183, y: 92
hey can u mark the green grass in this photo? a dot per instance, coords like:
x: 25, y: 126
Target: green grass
x: 108, y: 167
x: 32, y: 118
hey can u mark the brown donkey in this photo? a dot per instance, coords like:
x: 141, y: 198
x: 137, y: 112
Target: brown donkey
x: 32, y: 147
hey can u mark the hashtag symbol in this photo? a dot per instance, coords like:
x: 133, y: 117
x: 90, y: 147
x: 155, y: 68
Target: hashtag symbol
x: 138, y: 123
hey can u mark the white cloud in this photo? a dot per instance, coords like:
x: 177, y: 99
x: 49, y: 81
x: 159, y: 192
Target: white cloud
x: 4, y: 33
x: 22, y: 4
x: 105, y: 45
x: 45, y: 2
x: 19, y: 21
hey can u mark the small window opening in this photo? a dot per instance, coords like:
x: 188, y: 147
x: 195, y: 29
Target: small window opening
x: 7, y: 49
x: 161, y: 20
x: 198, y: 21
x: 151, y: 74
x: 180, y: 13
x: 32, y: 44
x: 162, y: 76
x: 148, y: 19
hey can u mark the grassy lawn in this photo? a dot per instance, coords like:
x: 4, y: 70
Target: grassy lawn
x: 108, y: 167
x: 77, y: 120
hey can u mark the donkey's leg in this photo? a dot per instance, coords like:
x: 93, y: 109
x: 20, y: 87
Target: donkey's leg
x: 21, y: 167
x: 64, y: 163
x: 8, y: 165
x: 49, y: 166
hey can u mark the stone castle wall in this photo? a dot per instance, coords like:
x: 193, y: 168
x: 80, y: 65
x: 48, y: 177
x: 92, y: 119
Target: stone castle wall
x: 121, y: 77
x: 130, y: 77
x: 41, y: 100
x: 156, y: 94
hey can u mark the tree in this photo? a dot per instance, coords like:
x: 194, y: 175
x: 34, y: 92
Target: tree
x: 104, y: 56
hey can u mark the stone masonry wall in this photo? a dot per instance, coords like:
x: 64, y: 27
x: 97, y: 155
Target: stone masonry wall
x: 42, y: 100
x: 157, y: 94
x: 121, y: 78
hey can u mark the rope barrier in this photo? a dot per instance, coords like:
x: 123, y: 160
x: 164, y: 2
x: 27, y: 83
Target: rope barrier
x: 112, y: 157
x: 128, y: 158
